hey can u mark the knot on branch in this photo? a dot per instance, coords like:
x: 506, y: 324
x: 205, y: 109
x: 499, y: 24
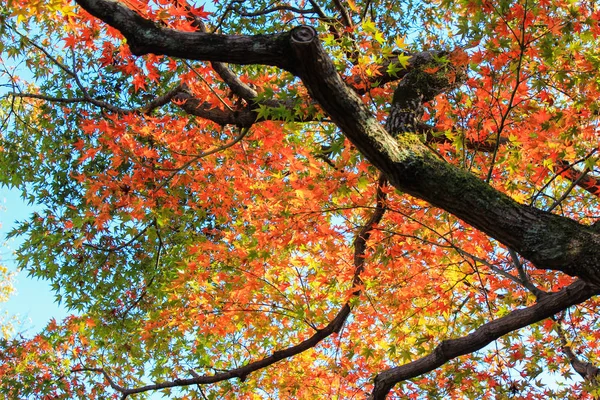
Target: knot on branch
x: 303, y: 34
x: 420, y: 85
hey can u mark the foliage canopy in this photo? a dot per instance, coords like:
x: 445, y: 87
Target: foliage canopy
x: 306, y: 199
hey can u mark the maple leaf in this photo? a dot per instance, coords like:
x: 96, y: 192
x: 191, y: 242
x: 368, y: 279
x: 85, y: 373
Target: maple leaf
x: 139, y: 82
x: 403, y: 59
x: 220, y: 190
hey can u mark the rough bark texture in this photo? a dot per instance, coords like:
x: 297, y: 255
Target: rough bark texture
x: 144, y: 37
x: 417, y: 87
x: 484, y: 335
x: 549, y: 241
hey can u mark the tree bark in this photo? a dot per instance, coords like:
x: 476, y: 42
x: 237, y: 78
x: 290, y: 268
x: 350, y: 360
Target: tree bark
x: 549, y: 305
x: 549, y: 241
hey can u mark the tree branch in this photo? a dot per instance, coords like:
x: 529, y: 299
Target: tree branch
x: 345, y: 17
x: 334, y: 326
x: 144, y: 37
x: 549, y: 305
x: 588, y: 371
x: 275, y: 9
x: 547, y: 240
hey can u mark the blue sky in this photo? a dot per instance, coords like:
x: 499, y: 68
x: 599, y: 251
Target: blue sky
x: 33, y: 302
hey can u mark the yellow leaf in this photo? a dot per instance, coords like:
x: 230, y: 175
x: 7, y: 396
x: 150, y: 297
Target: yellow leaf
x: 399, y: 42
x: 369, y: 26
x: 352, y: 5
x: 403, y: 60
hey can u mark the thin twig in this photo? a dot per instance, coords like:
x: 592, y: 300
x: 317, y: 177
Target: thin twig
x: 207, y: 84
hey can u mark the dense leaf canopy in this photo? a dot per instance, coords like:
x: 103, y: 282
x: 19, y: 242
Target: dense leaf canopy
x: 306, y: 199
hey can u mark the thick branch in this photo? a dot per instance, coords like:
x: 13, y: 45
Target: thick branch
x: 547, y: 240
x: 144, y: 37
x: 242, y: 117
x: 549, y: 305
x: 416, y: 61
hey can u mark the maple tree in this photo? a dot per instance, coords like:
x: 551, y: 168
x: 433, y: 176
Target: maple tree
x: 308, y: 199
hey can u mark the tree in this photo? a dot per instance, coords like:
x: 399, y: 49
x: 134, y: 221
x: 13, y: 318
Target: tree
x: 308, y: 199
